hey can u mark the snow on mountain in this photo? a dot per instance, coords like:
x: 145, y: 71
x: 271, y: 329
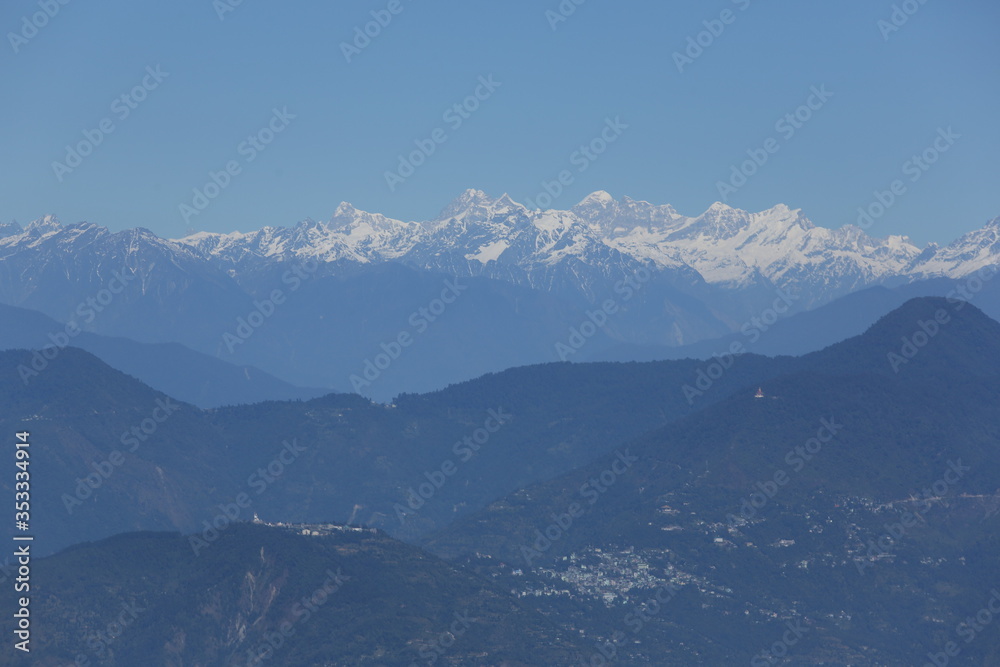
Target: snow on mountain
x: 489, y: 252
x: 477, y: 235
x: 614, y: 218
x: 46, y: 225
x: 350, y: 235
x: 730, y: 247
x: 971, y: 252
x: 372, y: 236
x: 733, y: 248
x: 599, y: 240
x: 58, y: 269
x: 470, y: 203
x: 49, y: 240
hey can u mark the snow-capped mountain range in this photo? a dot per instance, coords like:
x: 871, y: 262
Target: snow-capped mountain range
x: 601, y: 239
x: 479, y: 235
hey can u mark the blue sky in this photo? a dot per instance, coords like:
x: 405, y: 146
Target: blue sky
x: 686, y: 130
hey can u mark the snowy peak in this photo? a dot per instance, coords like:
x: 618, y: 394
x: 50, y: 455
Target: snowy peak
x: 638, y: 207
x: 782, y: 214
x: 475, y: 226
x: 467, y: 201
x: 599, y: 199
x: 505, y: 203
x: 348, y: 217
x: 721, y: 222
x: 973, y: 251
x: 44, y: 225
x: 718, y: 222
x: 615, y: 218
x: 597, y: 207
x: 476, y: 205
x: 596, y: 239
x: 344, y: 210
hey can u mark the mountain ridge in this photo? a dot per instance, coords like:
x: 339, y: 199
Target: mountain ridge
x: 178, y: 371
x: 649, y: 276
x: 723, y: 245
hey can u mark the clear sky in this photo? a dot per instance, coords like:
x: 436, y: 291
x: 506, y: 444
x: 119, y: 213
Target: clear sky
x: 559, y: 82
